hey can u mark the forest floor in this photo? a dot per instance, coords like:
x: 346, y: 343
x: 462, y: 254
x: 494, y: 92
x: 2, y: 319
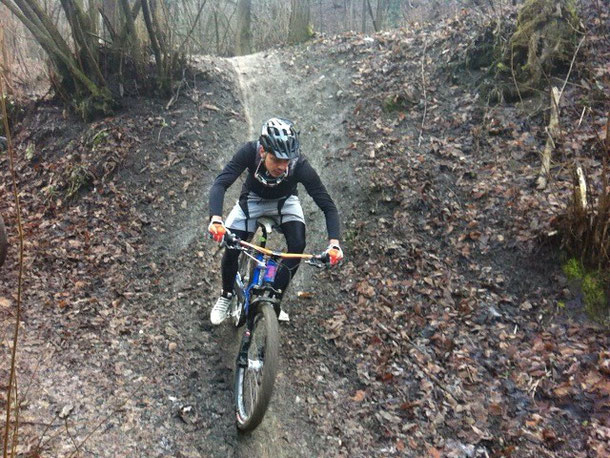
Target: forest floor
x: 449, y: 330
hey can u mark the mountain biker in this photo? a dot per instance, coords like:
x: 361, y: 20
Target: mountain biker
x: 275, y: 167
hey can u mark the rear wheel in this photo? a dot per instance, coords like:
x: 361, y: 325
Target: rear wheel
x: 254, y: 383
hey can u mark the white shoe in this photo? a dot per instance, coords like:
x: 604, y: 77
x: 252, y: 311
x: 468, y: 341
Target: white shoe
x: 283, y: 317
x: 220, y: 311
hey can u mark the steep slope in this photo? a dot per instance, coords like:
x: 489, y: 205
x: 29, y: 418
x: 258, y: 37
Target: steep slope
x: 440, y: 334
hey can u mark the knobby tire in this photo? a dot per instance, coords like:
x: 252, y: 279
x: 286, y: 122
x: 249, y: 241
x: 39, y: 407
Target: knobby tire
x: 264, y: 388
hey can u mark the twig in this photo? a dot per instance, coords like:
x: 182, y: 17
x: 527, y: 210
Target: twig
x: 582, y: 115
x: 571, y: 65
x: 70, y: 435
x: 423, y: 80
x: 177, y: 94
x: 188, y: 35
x: 11, y: 157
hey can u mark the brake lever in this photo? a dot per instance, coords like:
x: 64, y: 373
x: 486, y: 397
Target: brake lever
x: 320, y: 261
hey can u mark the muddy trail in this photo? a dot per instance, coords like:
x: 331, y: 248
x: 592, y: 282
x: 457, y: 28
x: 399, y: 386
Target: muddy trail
x: 440, y: 334
x: 134, y: 368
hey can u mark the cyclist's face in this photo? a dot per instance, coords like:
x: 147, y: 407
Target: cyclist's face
x: 276, y: 167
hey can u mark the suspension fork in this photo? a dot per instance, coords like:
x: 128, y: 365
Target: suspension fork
x: 246, y: 339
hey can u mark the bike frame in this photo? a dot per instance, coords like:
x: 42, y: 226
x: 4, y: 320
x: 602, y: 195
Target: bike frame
x: 258, y: 298
x: 265, y: 270
x: 263, y: 275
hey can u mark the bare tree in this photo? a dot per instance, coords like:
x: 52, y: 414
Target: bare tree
x: 299, y: 28
x: 84, y: 60
x: 363, y: 16
x: 243, y: 37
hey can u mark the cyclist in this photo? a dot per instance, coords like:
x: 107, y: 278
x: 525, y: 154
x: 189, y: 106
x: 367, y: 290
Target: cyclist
x: 275, y: 167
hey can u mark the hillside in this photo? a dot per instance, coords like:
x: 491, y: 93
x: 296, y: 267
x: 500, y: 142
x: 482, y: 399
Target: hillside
x: 441, y: 334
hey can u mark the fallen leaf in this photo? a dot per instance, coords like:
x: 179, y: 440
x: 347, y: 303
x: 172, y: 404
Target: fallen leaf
x: 359, y: 396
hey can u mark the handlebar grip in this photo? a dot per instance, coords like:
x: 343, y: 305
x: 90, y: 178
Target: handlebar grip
x: 231, y: 239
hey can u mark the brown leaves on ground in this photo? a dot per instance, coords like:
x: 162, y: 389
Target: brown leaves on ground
x: 450, y: 311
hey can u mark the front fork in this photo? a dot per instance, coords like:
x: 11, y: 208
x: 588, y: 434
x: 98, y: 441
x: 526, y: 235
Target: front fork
x: 242, y: 356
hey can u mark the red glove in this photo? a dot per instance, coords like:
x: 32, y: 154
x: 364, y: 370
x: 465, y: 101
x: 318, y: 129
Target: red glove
x: 217, y: 230
x: 335, y: 254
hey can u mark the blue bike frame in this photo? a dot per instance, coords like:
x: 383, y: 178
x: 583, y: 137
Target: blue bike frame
x: 258, y: 278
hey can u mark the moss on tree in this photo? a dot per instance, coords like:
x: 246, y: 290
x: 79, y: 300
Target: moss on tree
x: 519, y: 56
x: 543, y: 42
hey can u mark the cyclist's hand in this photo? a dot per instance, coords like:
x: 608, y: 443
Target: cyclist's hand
x: 217, y: 230
x: 334, y: 253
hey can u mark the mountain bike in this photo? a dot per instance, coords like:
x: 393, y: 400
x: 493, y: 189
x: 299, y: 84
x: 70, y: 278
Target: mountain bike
x: 257, y: 306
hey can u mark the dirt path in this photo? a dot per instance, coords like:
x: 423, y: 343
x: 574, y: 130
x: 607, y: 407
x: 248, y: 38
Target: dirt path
x: 146, y: 375
x: 268, y: 90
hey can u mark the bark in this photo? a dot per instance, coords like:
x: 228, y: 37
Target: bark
x: 299, y: 28
x: 217, y: 32
x: 379, y: 16
x: 363, y: 16
x: 152, y: 36
x: 370, y: 10
x: 3, y: 242
x: 243, y: 37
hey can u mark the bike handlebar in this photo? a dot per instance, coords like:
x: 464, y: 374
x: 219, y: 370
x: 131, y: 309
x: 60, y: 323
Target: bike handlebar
x: 233, y: 242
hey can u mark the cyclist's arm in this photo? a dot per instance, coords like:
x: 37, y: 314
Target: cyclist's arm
x: 238, y: 163
x: 310, y: 179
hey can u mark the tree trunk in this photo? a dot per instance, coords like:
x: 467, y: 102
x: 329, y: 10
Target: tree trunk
x: 375, y: 26
x: 364, y: 13
x: 243, y: 37
x: 379, y: 17
x: 299, y: 28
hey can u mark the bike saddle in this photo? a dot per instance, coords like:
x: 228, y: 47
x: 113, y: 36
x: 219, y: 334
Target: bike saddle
x: 267, y: 224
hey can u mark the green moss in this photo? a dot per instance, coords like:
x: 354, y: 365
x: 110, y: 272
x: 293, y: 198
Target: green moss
x: 595, y: 298
x: 79, y: 178
x: 591, y: 284
x: 573, y: 269
x: 544, y: 40
x: 310, y: 30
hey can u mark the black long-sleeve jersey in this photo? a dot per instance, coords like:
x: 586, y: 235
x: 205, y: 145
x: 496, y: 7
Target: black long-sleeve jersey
x: 300, y: 171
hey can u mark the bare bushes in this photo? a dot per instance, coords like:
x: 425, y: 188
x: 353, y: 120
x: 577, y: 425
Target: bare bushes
x: 585, y: 228
x: 96, y: 50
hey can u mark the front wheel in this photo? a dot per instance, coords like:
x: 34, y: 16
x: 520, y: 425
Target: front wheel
x: 255, y: 377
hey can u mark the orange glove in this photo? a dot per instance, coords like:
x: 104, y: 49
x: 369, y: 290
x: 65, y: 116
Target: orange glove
x: 217, y: 230
x: 335, y: 254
